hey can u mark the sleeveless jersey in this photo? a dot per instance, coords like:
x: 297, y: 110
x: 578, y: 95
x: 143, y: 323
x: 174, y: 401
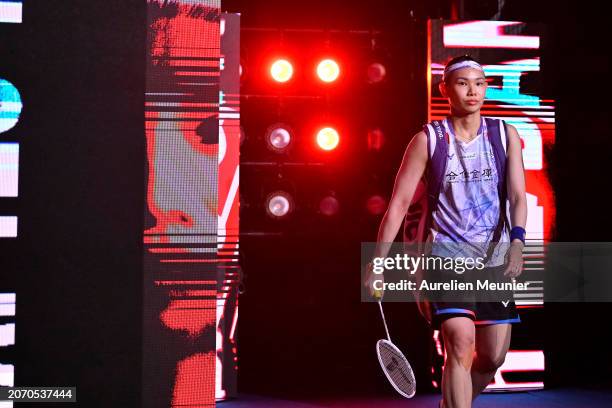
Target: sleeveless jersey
x: 468, y: 208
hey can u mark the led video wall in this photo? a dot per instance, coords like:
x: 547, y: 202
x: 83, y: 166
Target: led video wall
x: 191, y: 213
x: 11, y: 11
x: 510, y: 54
x: 191, y: 272
x: 10, y: 110
x: 228, y: 208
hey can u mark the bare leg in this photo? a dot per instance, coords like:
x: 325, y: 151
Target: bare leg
x: 492, y: 342
x: 459, y: 339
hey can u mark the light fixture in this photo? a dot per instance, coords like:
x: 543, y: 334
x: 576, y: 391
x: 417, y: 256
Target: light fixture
x: 376, y: 204
x: 328, y: 138
x: 376, y: 72
x: 328, y: 70
x: 278, y: 137
x: 279, y: 204
x: 281, y: 70
x: 329, y: 205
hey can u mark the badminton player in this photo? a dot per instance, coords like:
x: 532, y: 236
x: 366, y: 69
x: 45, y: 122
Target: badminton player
x: 470, y: 207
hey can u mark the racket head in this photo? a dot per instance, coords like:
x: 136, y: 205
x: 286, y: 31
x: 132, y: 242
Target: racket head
x: 396, y: 367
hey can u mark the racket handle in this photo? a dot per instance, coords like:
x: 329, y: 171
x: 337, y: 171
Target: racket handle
x: 384, y: 320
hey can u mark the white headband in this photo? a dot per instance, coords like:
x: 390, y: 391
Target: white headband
x: 461, y: 64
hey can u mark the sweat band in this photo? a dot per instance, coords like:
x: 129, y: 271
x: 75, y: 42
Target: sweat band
x: 517, y: 232
x: 459, y: 65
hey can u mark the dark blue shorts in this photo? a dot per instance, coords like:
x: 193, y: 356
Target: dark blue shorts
x: 483, y: 307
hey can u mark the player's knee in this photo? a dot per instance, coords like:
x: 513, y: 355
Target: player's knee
x: 461, y: 348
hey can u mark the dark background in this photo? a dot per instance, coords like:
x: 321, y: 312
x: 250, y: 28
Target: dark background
x: 77, y: 265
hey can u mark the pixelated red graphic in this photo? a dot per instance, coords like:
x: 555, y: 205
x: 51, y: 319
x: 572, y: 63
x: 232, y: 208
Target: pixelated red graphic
x: 192, y: 316
x: 195, y: 383
x: 182, y: 132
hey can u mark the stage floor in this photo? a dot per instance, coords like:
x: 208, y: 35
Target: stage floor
x: 532, y: 399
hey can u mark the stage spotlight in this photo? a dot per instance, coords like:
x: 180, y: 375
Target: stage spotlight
x: 279, y: 204
x: 376, y: 139
x: 281, y: 70
x: 376, y: 72
x: 329, y: 205
x: 278, y: 137
x: 328, y: 70
x: 328, y: 138
x: 376, y: 205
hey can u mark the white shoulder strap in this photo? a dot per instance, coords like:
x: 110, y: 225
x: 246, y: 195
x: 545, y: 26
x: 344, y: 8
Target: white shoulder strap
x: 432, y: 140
x: 502, y: 134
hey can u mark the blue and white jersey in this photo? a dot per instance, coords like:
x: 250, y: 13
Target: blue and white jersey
x: 468, y: 209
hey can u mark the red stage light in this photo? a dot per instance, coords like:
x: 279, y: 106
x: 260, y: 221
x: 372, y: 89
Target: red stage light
x: 328, y: 138
x: 281, y: 70
x: 376, y: 205
x: 376, y: 72
x: 328, y: 70
x: 329, y: 206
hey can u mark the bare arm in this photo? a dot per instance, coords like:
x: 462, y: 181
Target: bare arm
x: 408, y: 176
x: 516, y: 180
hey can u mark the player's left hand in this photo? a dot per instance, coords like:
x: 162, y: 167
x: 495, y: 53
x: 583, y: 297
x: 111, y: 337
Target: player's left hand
x: 514, y: 260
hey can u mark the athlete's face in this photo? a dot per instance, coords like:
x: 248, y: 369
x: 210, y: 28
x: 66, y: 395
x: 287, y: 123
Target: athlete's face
x: 466, y: 89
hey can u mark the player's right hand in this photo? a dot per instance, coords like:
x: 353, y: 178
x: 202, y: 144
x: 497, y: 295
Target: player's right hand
x: 370, y: 277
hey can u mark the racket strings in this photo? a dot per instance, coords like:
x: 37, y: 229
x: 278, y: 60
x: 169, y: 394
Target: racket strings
x: 397, y: 368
